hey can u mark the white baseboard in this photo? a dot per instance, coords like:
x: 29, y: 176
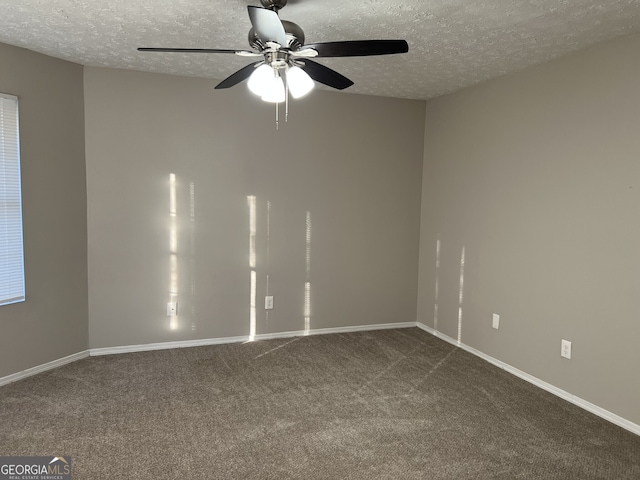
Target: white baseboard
x: 242, y: 339
x: 94, y: 352
x: 324, y: 331
x: 14, y: 377
x: 588, y: 406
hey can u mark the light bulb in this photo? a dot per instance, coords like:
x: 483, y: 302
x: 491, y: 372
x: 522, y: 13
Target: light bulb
x: 299, y: 82
x: 259, y: 79
x: 274, y: 90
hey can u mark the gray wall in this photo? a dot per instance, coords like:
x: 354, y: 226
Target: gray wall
x: 353, y: 164
x: 536, y: 176
x: 52, y: 322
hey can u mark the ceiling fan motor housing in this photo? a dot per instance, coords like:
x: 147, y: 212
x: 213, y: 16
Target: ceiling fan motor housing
x: 295, y: 37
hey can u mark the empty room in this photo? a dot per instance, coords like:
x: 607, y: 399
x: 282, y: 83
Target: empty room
x: 311, y: 239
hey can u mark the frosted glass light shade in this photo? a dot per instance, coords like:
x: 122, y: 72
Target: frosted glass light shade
x: 273, y: 90
x: 299, y: 82
x: 259, y: 79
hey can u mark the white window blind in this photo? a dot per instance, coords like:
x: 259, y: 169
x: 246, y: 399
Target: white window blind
x: 11, y: 250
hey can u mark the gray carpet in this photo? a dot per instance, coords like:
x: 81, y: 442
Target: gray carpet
x: 393, y: 404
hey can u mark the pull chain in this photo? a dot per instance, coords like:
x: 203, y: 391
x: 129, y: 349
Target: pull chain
x: 286, y: 99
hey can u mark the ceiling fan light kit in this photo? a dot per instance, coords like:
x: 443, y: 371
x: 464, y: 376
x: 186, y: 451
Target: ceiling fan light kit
x: 287, y: 67
x: 269, y: 78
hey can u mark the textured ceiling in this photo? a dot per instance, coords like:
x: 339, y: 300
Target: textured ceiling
x: 452, y: 43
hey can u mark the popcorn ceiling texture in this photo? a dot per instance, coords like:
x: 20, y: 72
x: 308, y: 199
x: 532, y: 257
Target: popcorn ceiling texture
x: 452, y: 43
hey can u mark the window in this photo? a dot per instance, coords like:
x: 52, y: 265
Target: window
x: 11, y: 250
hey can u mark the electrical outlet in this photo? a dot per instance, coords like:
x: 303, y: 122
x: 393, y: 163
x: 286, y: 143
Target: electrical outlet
x: 172, y: 309
x: 496, y: 321
x: 268, y: 302
x: 565, y: 349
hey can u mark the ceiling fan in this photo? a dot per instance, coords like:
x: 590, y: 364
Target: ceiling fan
x: 287, y: 67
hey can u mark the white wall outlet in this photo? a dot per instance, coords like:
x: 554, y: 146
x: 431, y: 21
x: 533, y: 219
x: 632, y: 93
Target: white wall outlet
x: 268, y: 302
x: 172, y: 309
x: 565, y: 349
x: 496, y: 321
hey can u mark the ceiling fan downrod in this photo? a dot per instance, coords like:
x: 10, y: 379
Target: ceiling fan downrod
x: 274, y: 5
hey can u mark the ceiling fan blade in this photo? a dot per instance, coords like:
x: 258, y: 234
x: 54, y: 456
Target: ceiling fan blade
x: 267, y: 25
x: 237, y: 77
x: 325, y: 75
x: 358, y: 48
x: 193, y: 50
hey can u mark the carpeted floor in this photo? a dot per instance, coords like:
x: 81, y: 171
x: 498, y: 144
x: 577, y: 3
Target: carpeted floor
x: 392, y: 404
